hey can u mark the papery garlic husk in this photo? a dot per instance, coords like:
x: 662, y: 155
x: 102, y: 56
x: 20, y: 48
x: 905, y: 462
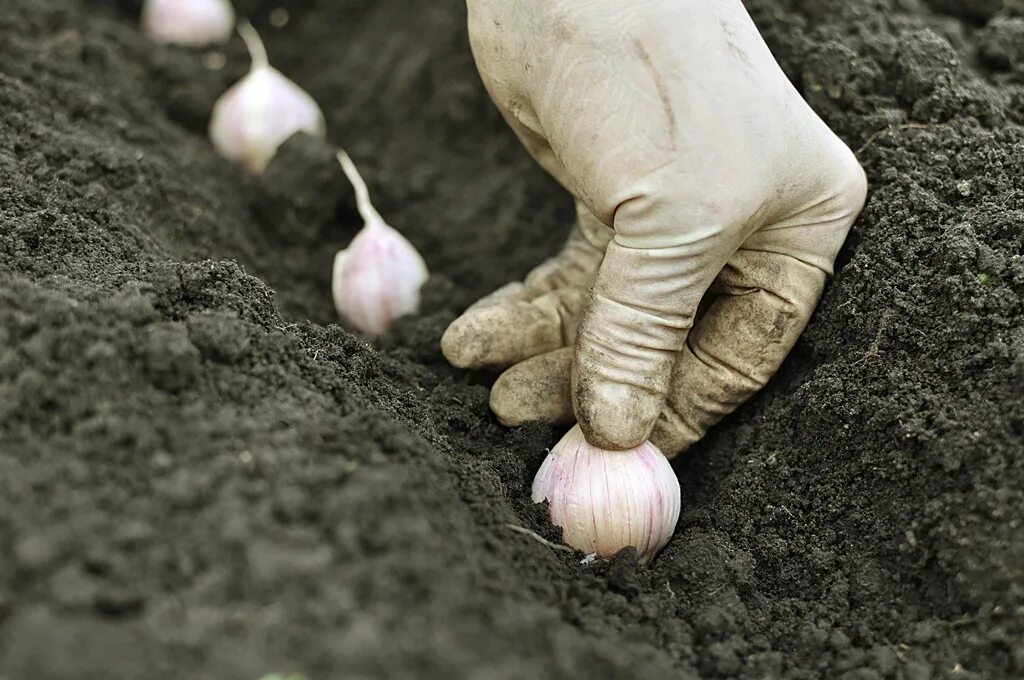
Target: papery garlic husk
x: 261, y: 111
x: 605, y: 501
x: 191, y: 23
x: 378, y: 277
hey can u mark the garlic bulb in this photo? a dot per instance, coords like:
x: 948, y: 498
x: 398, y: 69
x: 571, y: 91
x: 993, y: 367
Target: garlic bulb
x: 605, y: 501
x: 378, y: 277
x: 192, y: 23
x: 261, y: 111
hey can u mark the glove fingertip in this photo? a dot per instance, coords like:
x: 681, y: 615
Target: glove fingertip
x: 535, y: 390
x: 458, y: 345
x: 614, y: 416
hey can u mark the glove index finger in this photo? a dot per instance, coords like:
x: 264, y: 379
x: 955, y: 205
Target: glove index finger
x: 631, y: 332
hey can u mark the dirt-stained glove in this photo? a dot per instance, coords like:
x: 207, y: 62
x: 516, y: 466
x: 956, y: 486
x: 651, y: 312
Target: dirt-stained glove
x: 697, y: 168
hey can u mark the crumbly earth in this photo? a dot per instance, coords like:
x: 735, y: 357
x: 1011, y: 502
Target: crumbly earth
x: 203, y: 476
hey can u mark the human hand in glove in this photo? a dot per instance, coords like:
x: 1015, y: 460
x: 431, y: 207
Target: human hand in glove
x: 697, y: 168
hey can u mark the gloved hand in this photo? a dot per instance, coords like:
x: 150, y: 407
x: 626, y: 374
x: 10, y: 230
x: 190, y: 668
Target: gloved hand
x: 697, y: 167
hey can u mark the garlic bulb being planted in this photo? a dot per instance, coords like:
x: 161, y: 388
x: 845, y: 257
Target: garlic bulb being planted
x: 605, y: 501
x: 191, y: 23
x: 378, y: 277
x: 261, y: 111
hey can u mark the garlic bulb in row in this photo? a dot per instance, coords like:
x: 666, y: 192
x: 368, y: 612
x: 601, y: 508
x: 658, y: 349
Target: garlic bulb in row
x: 191, y: 23
x: 261, y: 111
x: 605, y: 501
x: 378, y: 277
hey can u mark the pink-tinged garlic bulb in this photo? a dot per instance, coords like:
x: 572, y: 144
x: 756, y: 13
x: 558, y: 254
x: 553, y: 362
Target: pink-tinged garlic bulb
x: 191, y: 23
x: 378, y: 277
x: 605, y: 501
x: 261, y: 111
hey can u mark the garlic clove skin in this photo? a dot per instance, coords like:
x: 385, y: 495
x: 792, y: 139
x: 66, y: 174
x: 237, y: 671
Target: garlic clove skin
x: 258, y: 114
x: 377, y: 278
x: 261, y: 111
x: 605, y: 501
x: 190, y: 23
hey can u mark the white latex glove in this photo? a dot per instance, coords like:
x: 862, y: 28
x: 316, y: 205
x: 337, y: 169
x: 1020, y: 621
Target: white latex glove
x: 696, y: 166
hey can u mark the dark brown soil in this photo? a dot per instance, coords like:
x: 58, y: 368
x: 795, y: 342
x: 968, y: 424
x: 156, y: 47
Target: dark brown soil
x: 201, y: 476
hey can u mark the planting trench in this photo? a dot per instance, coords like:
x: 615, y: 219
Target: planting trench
x: 203, y: 476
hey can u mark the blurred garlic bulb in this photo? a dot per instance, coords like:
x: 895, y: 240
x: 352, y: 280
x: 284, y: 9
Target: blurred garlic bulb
x: 261, y: 111
x: 192, y: 23
x: 605, y: 501
x: 378, y: 277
